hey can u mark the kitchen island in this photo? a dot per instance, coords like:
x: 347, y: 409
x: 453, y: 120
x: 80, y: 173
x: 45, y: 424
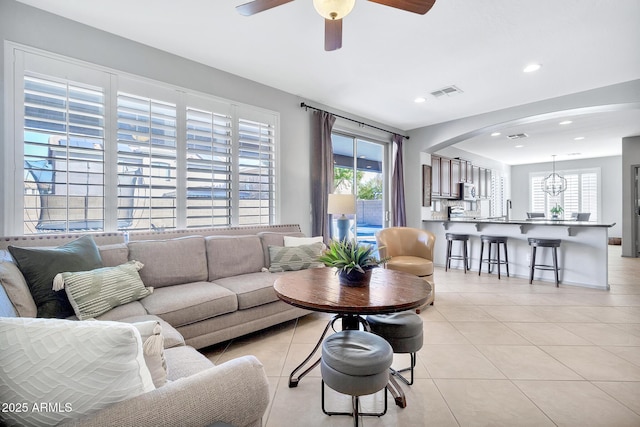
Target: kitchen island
x: 582, y: 256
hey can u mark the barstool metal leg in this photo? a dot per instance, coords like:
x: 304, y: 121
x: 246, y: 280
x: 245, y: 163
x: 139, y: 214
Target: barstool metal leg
x: 498, y: 257
x: 480, y: 263
x: 465, y: 255
x: 533, y: 263
x: 447, y: 263
x: 506, y: 257
x: 555, y: 265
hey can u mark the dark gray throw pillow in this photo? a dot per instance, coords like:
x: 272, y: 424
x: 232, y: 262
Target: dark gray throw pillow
x: 40, y: 265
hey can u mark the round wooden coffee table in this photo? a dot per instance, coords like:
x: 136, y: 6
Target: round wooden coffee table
x: 319, y: 289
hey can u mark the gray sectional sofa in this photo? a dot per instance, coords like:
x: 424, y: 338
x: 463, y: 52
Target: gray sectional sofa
x: 210, y: 285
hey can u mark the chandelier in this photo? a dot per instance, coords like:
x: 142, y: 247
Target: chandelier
x: 554, y: 184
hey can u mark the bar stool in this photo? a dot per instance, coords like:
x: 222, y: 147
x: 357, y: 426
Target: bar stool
x: 464, y: 238
x: 499, y: 240
x: 404, y: 331
x: 356, y: 363
x: 544, y: 243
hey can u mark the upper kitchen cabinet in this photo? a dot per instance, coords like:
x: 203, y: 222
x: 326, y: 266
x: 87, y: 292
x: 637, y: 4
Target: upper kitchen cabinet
x: 445, y: 177
x: 435, y: 176
x: 456, y: 178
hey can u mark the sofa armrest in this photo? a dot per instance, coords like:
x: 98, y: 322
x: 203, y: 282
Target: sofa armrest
x: 235, y: 392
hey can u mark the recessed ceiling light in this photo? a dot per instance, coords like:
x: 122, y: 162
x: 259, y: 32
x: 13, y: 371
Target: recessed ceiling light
x: 495, y: 134
x: 574, y: 154
x: 531, y: 68
x: 519, y: 146
x: 578, y: 138
x: 420, y: 100
x: 566, y: 122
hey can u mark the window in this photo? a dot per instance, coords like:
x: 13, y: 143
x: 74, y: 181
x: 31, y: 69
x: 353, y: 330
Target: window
x: 106, y: 151
x: 359, y: 167
x: 581, y: 195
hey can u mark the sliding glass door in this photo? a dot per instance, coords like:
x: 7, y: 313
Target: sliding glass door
x: 360, y: 169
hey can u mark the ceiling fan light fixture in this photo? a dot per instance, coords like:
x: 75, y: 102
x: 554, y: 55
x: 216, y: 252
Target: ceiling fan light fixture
x: 334, y: 9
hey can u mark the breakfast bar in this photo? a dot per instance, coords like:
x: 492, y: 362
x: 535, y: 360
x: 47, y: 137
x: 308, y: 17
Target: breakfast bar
x: 582, y: 256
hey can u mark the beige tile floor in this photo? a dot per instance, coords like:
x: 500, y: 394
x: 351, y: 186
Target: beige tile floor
x: 496, y: 353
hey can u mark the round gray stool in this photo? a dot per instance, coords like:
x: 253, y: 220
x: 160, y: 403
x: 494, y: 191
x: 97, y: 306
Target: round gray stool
x: 404, y: 332
x: 355, y: 363
x: 544, y: 243
x: 491, y: 240
x: 464, y: 238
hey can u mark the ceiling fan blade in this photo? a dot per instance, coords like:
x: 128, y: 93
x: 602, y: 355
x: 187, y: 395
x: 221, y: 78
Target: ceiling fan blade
x: 257, y: 6
x: 332, y: 34
x: 416, y: 6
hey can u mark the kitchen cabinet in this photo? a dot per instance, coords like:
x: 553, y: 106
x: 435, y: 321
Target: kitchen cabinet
x: 475, y: 176
x: 455, y: 178
x: 435, y: 176
x: 445, y: 177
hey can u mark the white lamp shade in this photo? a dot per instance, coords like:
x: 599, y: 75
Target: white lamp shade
x: 334, y: 9
x: 341, y: 204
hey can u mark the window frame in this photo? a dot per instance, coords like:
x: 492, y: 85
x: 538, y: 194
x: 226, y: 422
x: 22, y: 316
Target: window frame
x: 581, y: 172
x: 17, y: 58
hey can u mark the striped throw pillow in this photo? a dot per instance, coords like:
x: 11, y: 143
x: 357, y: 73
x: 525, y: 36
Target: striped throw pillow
x: 92, y: 293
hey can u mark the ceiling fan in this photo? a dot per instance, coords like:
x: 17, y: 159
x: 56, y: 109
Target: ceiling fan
x: 333, y: 11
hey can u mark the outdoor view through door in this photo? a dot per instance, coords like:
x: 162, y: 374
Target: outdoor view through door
x: 359, y: 169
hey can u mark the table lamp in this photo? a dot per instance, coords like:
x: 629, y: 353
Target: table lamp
x: 344, y: 204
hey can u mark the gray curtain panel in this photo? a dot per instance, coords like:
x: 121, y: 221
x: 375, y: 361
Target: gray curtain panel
x: 397, y: 186
x: 321, y: 172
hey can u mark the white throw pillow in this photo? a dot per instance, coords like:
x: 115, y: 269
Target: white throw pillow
x: 299, y: 241
x: 60, y: 370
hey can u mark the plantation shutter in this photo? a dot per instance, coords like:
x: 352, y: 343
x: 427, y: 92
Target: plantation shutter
x: 209, y: 166
x: 147, y: 156
x: 256, y: 169
x: 589, y: 194
x: 64, y: 131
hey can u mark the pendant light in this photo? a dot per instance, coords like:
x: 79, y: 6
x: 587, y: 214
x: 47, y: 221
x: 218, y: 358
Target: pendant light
x: 554, y: 184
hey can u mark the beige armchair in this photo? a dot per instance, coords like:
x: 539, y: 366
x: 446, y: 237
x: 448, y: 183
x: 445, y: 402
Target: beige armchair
x: 411, y: 251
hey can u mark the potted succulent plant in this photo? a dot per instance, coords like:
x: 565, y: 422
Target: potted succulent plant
x: 353, y: 261
x: 556, y: 211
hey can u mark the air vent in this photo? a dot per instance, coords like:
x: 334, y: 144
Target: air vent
x: 449, y: 91
x: 518, y: 136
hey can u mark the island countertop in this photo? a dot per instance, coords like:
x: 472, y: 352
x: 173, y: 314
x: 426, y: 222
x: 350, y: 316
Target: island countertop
x: 583, y: 252
x: 502, y: 220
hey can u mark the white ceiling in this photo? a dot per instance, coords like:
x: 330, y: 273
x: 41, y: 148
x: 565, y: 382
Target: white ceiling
x: 389, y: 57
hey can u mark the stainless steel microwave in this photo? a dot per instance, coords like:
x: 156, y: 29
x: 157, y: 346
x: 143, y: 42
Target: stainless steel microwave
x: 468, y: 192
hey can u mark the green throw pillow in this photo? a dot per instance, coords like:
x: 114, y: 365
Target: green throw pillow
x: 95, y: 292
x: 40, y: 265
x: 292, y: 258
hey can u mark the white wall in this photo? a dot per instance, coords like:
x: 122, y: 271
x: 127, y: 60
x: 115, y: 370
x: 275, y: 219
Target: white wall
x: 32, y: 27
x: 610, y: 191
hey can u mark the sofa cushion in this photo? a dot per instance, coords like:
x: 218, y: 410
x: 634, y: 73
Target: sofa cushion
x: 40, y: 265
x: 233, y: 255
x: 83, y: 366
x: 92, y: 293
x: 191, y: 302
x: 170, y: 262
x: 172, y: 338
x: 272, y: 238
x: 17, y: 290
x: 113, y: 255
x: 295, y: 258
x: 251, y: 289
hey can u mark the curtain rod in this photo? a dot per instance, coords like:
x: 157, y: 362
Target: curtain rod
x: 305, y: 106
